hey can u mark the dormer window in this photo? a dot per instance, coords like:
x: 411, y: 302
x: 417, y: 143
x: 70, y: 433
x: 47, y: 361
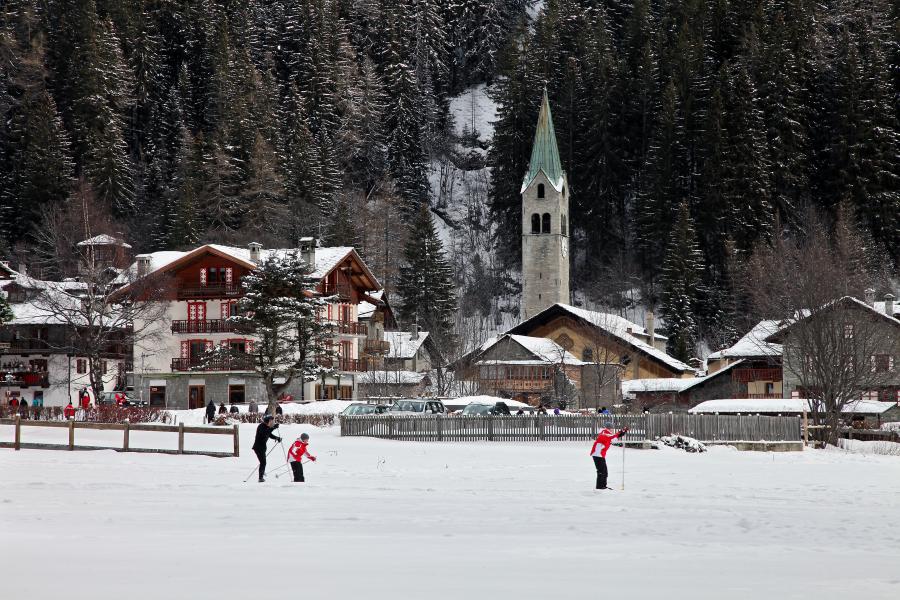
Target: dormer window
x: 540, y: 190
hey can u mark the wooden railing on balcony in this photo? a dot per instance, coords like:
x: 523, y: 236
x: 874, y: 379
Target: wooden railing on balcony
x: 24, y: 378
x: 25, y: 346
x: 377, y: 347
x: 205, y: 326
x: 516, y: 385
x: 353, y: 365
x: 350, y: 328
x: 216, y: 290
x: 764, y: 396
x: 228, y: 363
x: 748, y: 375
x: 337, y: 288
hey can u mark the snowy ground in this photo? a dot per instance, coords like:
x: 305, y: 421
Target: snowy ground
x: 382, y: 519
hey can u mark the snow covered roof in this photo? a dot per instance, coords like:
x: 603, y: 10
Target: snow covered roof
x: 880, y: 307
x: 402, y: 345
x: 753, y: 344
x: 365, y: 310
x: 103, y: 240
x: 784, y: 405
x: 546, y: 350
x: 659, y: 385
x: 621, y: 328
x: 467, y: 400
x: 392, y: 377
x: 326, y: 259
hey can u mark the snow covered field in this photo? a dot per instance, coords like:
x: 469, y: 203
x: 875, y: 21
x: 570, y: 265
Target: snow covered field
x: 382, y: 519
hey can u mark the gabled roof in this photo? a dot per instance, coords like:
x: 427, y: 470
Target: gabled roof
x: 544, y: 151
x: 612, y: 325
x: 326, y: 260
x: 544, y: 351
x: 785, y: 405
x: 753, y: 344
x: 402, y: 345
x: 778, y: 336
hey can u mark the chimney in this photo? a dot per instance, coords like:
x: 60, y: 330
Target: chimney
x: 889, y: 305
x: 255, y: 249
x: 308, y: 251
x: 870, y: 296
x: 23, y: 269
x: 651, y: 327
x: 143, y: 264
x: 414, y: 331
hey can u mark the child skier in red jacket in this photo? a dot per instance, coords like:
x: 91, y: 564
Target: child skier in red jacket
x: 296, y: 454
x: 598, y: 452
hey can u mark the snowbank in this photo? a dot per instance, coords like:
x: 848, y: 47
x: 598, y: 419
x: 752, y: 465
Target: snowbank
x: 197, y: 416
x: 467, y: 400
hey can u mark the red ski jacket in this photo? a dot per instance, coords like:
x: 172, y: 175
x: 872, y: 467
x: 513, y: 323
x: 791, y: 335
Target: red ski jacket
x: 69, y: 411
x: 298, y: 451
x: 604, y: 439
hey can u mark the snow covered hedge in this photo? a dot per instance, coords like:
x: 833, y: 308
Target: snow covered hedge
x: 317, y: 420
x: 688, y: 444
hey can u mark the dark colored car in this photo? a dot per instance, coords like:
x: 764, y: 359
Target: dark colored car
x: 497, y: 409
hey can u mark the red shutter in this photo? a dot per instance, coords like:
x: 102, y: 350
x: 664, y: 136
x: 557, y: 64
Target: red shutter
x: 228, y: 272
x: 202, y: 276
x: 249, y: 344
x: 224, y: 312
x: 209, y: 345
x: 185, y: 349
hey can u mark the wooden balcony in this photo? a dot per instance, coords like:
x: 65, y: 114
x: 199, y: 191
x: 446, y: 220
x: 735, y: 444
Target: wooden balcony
x: 215, y: 290
x: 377, y: 346
x: 764, y: 396
x: 205, y: 326
x: 350, y: 328
x: 24, y: 378
x: 348, y: 365
x: 337, y: 288
x: 516, y: 385
x: 229, y: 363
x: 32, y: 346
x: 748, y: 375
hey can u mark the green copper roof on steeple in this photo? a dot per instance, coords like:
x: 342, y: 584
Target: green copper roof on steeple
x: 544, y: 152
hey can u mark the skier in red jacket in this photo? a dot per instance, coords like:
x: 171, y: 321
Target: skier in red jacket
x: 598, y: 452
x: 69, y: 411
x: 296, y: 454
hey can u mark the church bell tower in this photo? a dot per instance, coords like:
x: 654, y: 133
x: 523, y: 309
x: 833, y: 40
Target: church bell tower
x: 545, y: 225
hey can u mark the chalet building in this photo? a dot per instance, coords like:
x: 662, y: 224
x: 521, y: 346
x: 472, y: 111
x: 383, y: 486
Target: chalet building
x: 38, y: 363
x: 109, y: 253
x: 680, y: 394
x: 760, y: 372
x: 599, y: 337
x: 851, y: 318
x: 205, y: 285
x: 538, y: 371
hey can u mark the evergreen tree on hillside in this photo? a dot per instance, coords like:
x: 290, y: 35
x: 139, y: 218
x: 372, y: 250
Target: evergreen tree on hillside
x: 426, y: 287
x: 681, y: 286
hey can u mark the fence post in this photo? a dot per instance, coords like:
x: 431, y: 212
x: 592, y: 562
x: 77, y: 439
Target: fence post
x: 440, y: 428
x: 540, y: 427
x: 125, y: 441
x: 805, y: 430
x: 181, y: 438
x: 490, y: 424
x: 18, y: 432
x: 237, y: 444
x: 390, y: 427
x: 71, y: 434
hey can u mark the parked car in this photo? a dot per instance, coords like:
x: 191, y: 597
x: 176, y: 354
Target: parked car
x: 498, y: 408
x: 361, y: 408
x: 418, y: 407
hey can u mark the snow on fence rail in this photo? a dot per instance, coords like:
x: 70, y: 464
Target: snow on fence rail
x: 706, y: 428
x: 126, y: 428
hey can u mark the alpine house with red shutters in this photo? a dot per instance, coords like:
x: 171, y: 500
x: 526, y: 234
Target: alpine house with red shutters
x: 204, y: 286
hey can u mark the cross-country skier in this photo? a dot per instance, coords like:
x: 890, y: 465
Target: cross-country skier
x: 598, y: 452
x: 263, y: 435
x: 295, y: 455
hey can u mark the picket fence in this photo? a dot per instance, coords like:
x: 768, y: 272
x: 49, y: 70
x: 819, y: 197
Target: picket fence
x: 457, y: 428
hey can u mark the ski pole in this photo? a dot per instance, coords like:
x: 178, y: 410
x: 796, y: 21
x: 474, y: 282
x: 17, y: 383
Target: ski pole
x: 623, y: 461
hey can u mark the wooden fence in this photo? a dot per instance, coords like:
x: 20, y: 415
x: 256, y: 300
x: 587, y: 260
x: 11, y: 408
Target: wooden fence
x: 706, y: 428
x: 126, y: 428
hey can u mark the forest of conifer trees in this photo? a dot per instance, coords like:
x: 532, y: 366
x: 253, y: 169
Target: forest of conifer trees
x: 691, y: 130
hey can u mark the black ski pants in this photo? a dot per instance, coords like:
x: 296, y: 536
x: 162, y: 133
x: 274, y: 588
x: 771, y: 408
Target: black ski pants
x: 261, y: 455
x: 297, y: 468
x: 602, y: 471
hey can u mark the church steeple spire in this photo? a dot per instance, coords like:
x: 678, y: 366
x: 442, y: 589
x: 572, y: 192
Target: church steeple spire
x: 544, y: 152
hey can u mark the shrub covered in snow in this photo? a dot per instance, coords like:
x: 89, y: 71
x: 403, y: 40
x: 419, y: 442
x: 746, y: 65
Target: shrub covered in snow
x: 688, y: 444
x: 317, y: 420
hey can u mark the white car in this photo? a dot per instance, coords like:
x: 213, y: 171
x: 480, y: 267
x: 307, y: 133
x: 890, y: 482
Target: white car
x: 417, y: 408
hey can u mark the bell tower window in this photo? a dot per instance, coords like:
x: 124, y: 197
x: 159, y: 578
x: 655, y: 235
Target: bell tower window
x: 545, y: 223
x: 562, y: 224
x: 535, y: 223
x: 540, y: 190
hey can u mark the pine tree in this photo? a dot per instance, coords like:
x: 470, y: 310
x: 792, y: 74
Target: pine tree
x: 426, y: 284
x: 681, y: 286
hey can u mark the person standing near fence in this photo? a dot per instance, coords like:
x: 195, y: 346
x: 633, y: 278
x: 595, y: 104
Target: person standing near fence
x: 69, y: 411
x: 210, y: 412
x: 598, y: 452
x: 263, y: 435
x: 299, y: 451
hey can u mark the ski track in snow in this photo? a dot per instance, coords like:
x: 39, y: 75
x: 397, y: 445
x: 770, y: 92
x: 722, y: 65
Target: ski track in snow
x: 384, y: 519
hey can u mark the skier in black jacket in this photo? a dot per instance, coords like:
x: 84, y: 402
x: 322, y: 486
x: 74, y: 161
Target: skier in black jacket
x: 210, y: 412
x: 263, y: 434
